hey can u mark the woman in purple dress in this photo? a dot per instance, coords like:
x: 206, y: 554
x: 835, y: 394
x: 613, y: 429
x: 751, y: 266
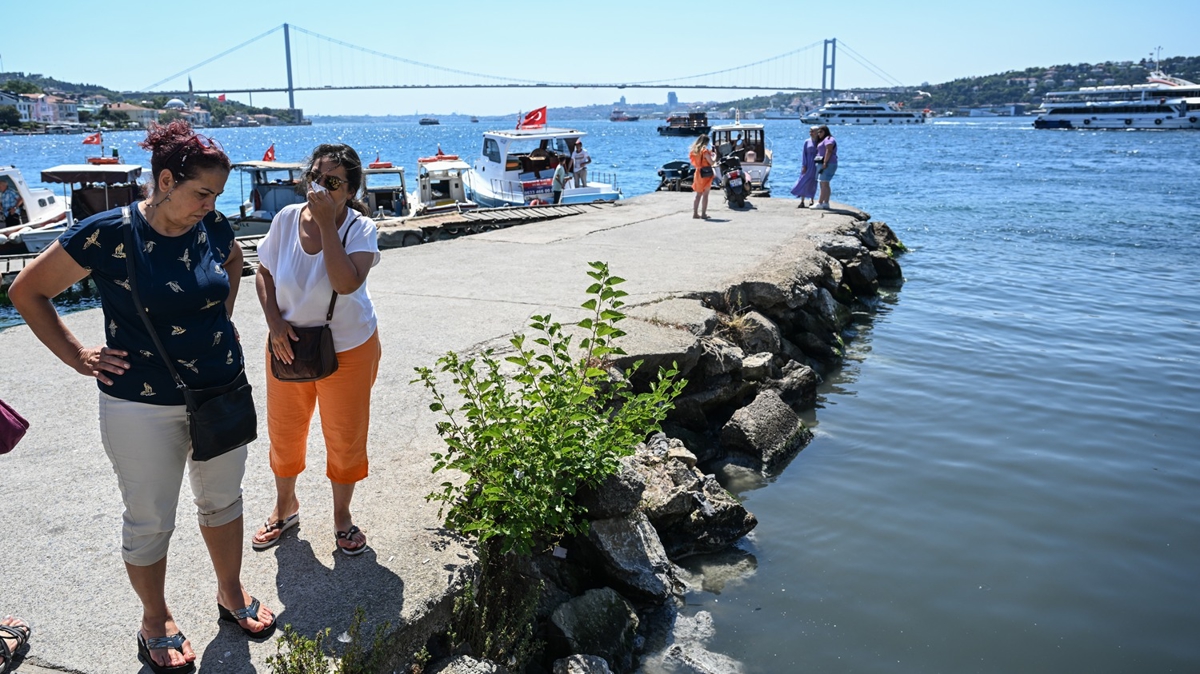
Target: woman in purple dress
x: 806, y: 186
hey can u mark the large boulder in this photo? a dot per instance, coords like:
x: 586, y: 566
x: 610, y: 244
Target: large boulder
x: 832, y: 312
x: 581, y: 664
x: 680, y: 645
x: 767, y: 430
x: 798, y: 385
x: 656, y: 346
x: 886, y: 267
x: 598, y: 622
x: 840, y: 246
x: 465, y: 664
x: 619, y: 493
x: 861, y: 275
x: 755, y: 332
x: 677, y: 312
x: 718, y: 357
x: 632, y: 555
x: 885, y: 237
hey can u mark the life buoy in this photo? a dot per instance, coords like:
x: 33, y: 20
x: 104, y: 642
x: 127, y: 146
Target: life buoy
x: 1129, y: 122
x: 1158, y: 121
x: 1087, y: 121
x: 440, y: 156
x: 380, y: 164
x: 1192, y: 119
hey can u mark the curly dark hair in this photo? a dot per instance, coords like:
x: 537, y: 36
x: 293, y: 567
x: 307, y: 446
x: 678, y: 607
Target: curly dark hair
x: 175, y: 147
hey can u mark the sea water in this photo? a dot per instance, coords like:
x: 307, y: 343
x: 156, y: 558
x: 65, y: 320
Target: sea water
x: 1006, y: 472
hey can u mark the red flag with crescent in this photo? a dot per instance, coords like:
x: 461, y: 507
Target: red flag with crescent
x: 536, y: 119
x: 269, y: 155
x: 94, y: 139
x: 221, y: 98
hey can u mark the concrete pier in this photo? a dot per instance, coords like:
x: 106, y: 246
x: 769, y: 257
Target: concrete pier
x: 62, y: 569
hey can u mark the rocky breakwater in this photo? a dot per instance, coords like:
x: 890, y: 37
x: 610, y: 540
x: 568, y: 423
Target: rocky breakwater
x: 753, y: 352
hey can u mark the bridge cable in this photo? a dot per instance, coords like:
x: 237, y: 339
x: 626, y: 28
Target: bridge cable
x: 729, y: 70
x: 880, y: 72
x: 204, y: 63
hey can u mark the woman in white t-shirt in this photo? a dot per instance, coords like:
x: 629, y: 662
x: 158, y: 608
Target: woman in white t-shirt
x: 302, y: 261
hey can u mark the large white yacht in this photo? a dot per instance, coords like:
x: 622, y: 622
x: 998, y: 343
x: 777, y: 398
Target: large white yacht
x: 855, y: 111
x: 516, y: 168
x: 1163, y: 102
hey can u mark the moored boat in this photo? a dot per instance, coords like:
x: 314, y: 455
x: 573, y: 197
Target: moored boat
x: 440, y: 185
x: 747, y: 142
x: 516, y: 168
x: 273, y: 185
x: 41, y: 209
x: 691, y: 124
x: 855, y: 111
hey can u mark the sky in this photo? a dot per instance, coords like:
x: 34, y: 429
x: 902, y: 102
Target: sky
x: 613, y: 41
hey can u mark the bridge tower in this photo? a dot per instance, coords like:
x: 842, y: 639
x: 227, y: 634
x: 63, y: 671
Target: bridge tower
x: 287, y: 49
x: 829, y: 67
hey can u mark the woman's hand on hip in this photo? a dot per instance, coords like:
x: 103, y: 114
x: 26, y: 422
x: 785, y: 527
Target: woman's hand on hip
x: 94, y: 362
x: 280, y: 340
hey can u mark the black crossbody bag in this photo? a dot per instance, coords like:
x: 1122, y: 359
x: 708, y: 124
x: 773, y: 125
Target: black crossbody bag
x: 220, y: 418
x: 313, y: 357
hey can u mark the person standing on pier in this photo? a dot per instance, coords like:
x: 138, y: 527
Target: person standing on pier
x: 827, y: 159
x: 806, y: 186
x: 702, y: 158
x: 579, y: 161
x: 559, y: 182
x: 324, y: 247
x: 185, y: 256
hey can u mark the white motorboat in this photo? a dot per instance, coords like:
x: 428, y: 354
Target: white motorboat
x: 855, y: 111
x: 516, y: 168
x: 747, y: 142
x: 440, y: 185
x: 41, y: 210
x: 273, y: 185
x: 1163, y: 102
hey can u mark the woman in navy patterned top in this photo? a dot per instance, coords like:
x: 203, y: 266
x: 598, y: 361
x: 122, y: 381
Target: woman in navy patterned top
x: 184, y: 254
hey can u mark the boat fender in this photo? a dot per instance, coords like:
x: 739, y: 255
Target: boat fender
x: 1129, y: 122
x: 1192, y: 119
x: 1087, y: 121
x: 3, y: 239
x: 1158, y: 121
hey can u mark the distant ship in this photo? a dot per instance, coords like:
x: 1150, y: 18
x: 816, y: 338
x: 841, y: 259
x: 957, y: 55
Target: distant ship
x: 1163, y: 102
x: 620, y: 116
x: 691, y: 124
x: 855, y: 111
x: 428, y: 121
x: 474, y: 119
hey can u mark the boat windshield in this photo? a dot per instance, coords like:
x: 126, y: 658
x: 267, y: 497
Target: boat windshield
x: 383, y: 179
x: 537, y: 155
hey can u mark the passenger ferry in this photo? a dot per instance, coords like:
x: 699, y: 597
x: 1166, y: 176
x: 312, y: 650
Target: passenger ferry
x: 516, y: 168
x: 1163, y: 102
x: 855, y: 111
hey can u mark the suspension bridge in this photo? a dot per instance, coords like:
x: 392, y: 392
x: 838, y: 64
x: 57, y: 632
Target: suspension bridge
x: 320, y: 63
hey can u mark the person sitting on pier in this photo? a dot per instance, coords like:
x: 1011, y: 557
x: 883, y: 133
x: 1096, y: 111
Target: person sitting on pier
x: 323, y: 246
x: 185, y: 256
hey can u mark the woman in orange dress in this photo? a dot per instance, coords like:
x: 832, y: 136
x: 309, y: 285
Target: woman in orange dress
x: 702, y: 158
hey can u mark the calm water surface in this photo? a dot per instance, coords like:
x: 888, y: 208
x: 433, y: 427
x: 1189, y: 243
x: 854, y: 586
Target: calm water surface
x: 1006, y: 474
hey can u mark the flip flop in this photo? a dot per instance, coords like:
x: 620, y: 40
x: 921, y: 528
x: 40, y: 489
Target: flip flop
x: 349, y: 536
x: 278, y: 525
x: 154, y: 643
x: 20, y: 632
x: 248, y: 613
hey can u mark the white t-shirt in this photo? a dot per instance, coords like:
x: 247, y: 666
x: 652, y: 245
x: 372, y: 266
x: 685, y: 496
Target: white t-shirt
x: 302, y: 287
x: 579, y: 160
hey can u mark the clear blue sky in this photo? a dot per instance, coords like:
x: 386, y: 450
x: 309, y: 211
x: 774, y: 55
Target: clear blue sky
x: 130, y: 46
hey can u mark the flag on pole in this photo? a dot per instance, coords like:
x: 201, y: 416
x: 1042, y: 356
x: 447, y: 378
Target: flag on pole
x: 536, y: 119
x: 94, y: 139
x: 269, y: 155
x: 221, y: 98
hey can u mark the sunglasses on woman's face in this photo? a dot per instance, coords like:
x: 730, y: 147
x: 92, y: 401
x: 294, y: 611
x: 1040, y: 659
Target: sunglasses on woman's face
x: 331, y: 183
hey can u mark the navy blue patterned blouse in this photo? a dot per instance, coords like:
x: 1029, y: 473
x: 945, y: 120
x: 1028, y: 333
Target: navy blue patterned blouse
x: 183, y: 285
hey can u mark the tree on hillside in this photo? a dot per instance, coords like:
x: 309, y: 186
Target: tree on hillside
x: 20, y: 87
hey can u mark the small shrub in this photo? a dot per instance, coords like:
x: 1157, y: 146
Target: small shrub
x: 298, y: 654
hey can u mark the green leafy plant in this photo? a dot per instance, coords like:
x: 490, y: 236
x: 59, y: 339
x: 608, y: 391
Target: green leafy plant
x: 527, y: 441
x: 296, y: 653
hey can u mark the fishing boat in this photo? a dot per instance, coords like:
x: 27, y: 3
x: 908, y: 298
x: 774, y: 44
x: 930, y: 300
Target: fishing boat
x: 622, y: 116
x: 516, y: 167
x: 385, y: 191
x: 690, y: 124
x: 40, y: 208
x: 1162, y: 102
x: 273, y: 185
x: 747, y: 142
x: 93, y: 189
x: 855, y: 111
x: 440, y: 185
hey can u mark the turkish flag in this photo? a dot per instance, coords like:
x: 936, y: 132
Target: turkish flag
x: 269, y: 155
x: 536, y: 119
x: 94, y: 139
x: 221, y: 98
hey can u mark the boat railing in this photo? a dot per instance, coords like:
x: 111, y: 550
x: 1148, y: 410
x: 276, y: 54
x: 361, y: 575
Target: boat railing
x: 609, y: 178
x: 509, y: 190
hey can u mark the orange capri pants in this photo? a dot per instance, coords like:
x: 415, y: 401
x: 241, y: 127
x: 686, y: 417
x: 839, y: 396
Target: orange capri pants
x: 345, y: 402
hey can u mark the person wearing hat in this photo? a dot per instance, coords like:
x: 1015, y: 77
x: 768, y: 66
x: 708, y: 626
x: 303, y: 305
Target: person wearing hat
x: 579, y: 160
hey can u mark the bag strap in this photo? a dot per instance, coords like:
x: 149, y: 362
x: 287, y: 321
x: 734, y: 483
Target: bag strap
x: 333, y: 300
x: 127, y: 229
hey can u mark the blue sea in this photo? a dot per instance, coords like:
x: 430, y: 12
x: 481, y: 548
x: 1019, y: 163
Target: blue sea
x: 1006, y: 472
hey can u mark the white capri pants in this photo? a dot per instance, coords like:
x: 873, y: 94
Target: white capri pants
x: 149, y: 446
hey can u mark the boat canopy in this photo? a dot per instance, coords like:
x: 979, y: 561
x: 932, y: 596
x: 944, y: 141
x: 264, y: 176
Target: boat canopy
x: 109, y: 174
x: 445, y: 165
x: 536, y: 134
x: 270, y: 166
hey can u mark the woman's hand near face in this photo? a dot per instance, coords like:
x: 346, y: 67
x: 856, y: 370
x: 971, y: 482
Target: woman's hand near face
x: 323, y: 208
